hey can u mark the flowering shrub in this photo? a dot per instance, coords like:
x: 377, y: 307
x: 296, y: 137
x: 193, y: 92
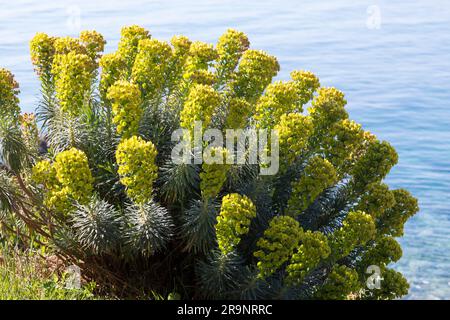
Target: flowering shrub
x: 98, y: 183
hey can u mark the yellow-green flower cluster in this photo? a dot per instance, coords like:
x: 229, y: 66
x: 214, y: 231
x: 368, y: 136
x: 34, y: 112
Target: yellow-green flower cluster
x: 150, y: 66
x: 113, y: 67
x: 293, y: 130
x: 9, y: 89
x: 200, y: 105
x: 280, y: 98
x: 214, y: 172
x: 376, y: 200
x: 180, y: 53
x: 374, y: 164
x: 234, y: 220
x: 385, y: 251
x: 42, y: 50
x: 341, y: 282
x: 72, y: 172
x: 328, y: 108
x: 340, y: 145
x: 255, y: 73
x: 44, y: 173
x: 66, y: 45
x: 313, y: 249
x: 73, y: 79
x: 93, y: 42
x: 238, y: 113
x: 307, y: 83
x: 357, y: 228
x: 232, y: 44
x: 318, y: 175
x: 136, y: 159
x: 126, y: 106
x: 203, y: 77
x: 68, y: 179
x: 129, y: 41
x: 277, y: 244
x: 181, y: 45
x: 394, y: 218
x: 201, y: 55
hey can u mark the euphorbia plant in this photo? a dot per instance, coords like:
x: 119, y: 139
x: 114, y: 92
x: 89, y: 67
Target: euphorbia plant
x: 100, y: 187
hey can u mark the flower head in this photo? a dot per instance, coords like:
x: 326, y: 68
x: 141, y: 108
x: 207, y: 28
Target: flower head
x: 137, y: 168
x: 200, y: 105
x: 318, y: 175
x: 314, y: 248
x: 42, y: 50
x: 126, y: 106
x: 150, y: 65
x: 233, y: 221
x: 277, y: 244
x: 214, y: 172
x: 293, y: 130
x: 129, y: 41
x: 93, y: 42
x: 255, y: 72
x: 73, y: 78
x: 232, y: 44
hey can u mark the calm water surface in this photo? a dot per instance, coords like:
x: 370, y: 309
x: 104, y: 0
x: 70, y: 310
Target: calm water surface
x: 391, y: 58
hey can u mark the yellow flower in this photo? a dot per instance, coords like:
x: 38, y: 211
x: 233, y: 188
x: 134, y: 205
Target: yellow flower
x: 214, y: 173
x: 181, y: 44
x: 113, y: 67
x: 239, y: 111
x: 293, y: 130
x: 126, y: 106
x: 73, y: 78
x: 30, y: 130
x: 200, y: 56
x: 357, y: 228
x: 93, y: 42
x: 68, y: 179
x: 128, y: 44
x: 374, y: 164
x: 376, y: 200
x: 394, y: 218
x: 318, y: 175
x: 328, y: 108
x: 200, y: 105
x: 66, y: 45
x: 313, y: 249
x: 341, y: 144
x: 149, y: 69
x: 234, y: 220
x: 340, y: 283
x: 255, y: 72
x: 277, y: 245
x: 280, y: 98
x: 232, y: 44
x: 137, y: 169
x: 42, y: 50
x: 307, y: 83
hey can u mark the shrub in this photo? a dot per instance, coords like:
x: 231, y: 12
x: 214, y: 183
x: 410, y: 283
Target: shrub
x: 100, y: 187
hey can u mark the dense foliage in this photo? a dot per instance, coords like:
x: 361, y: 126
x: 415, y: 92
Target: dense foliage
x: 97, y: 183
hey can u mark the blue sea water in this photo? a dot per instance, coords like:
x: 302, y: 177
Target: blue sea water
x: 391, y: 58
